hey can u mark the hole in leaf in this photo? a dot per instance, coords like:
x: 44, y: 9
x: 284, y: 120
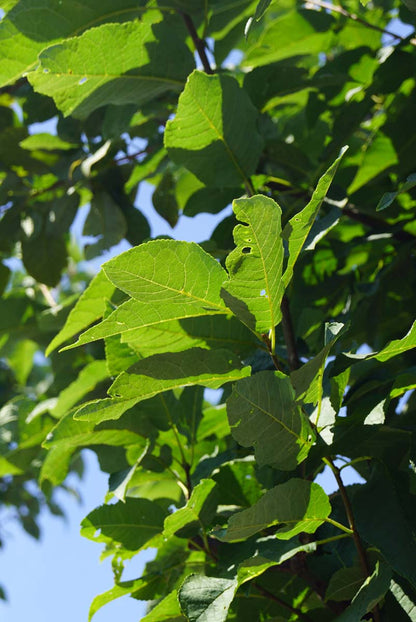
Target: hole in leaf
x: 246, y: 250
x: 82, y: 81
x: 263, y: 292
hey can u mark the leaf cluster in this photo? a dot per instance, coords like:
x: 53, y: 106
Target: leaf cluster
x: 216, y: 381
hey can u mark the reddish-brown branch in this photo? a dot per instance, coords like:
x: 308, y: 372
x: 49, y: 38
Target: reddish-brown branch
x: 289, y: 335
x: 198, y: 43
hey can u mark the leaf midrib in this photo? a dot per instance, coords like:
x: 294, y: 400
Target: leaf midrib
x: 182, y: 292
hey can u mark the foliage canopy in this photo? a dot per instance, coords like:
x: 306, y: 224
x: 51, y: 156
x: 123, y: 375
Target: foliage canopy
x: 298, y: 311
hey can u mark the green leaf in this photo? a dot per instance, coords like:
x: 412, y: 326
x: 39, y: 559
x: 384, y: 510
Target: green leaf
x: 121, y: 589
x: 84, y: 73
x: 371, y: 592
x: 44, y: 257
x: 214, y: 132
x: 162, y: 372
x: 196, y: 514
x: 407, y: 604
x: 262, y: 412
x: 132, y: 524
x: 261, y: 8
x: 4, y: 277
x: 295, y: 506
x: 155, y: 335
x: 47, y: 142
x: 33, y: 25
x: 89, y: 308
x: 375, y: 158
x: 404, y: 382
x: 206, y: 598
x: 118, y: 483
x: 8, y: 468
x: 299, y: 226
x: 106, y: 221
x: 164, y: 199
x: 169, y: 273
x: 307, y: 380
x: 88, y: 378
x: 293, y: 33
x: 69, y: 435
x: 255, y: 288
x: 270, y: 553
x: 389, y: 197
x: 237, y: 484
x: 344, y: 584
x: 170, y: 370
x: 374, y: 527
x: 167, y: 610
x: 398, y: 346
x: 394, y: 348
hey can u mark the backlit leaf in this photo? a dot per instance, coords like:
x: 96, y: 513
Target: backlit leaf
x: 214, y: 132
x: 33, y: 25
x: 169, y: 272
x: 84, y: 73
x: 299, y: 226
x: 89, y: 308
x: 255, y: 288
x: 162, y: 372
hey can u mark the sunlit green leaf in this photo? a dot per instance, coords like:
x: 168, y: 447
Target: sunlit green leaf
x: 32, y: 25
x: 83, y: 73
x: 197, y: 513
x: 299, y: 226
x: 89, y: 308
x: 255, y: 288
x: 162, y: 372
x: 293, y: 33
x: 293, y: 507
x: 214, y: 132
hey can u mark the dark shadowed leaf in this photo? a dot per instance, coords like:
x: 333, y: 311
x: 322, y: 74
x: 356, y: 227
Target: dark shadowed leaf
x: 263, y: 413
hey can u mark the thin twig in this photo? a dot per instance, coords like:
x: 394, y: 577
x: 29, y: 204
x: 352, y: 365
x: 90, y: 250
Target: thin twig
x: 289, y: 335
x: 273, y: 356
x: 47, y: 295
x: 198, y: 43
x: 339, y: 9
x: 375, y: 223
x: 282, y: 603
x: 350, y: 516
x: 351, y: 521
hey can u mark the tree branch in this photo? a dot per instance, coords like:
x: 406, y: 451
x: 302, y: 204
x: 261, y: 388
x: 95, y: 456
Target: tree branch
x: 282, y: 603
x: 47, y: 295
x: 198, y: 43
x: 351, y: 521
x: 289, y: 335
x: 339, y: 9
x: 369, y: 221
